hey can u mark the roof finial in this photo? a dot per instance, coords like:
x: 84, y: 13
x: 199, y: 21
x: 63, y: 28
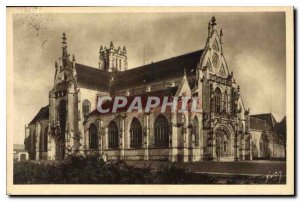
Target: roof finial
x: 64, y: 39
x: 73, y: 59
x: 184, y: 72
x: 65, y: 54
x: 221, y: 40
x: 213, y: 21
x: 111, y: 45
x: 101, y: 49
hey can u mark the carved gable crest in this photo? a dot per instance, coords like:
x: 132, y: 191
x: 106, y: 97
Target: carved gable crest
x: 215, y: 45
x: 208, y: 65
x: 222, y: 70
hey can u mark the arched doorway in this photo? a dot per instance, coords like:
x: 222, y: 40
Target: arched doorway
x: 62, y: 112
x: 264, y: 146
x: 60, y: 140
x: 224, y: 144
x: 60, y: 148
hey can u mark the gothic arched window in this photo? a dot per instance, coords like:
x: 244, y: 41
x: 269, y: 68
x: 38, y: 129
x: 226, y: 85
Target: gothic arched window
x: 218, y: 99
x: 196, y: 131
x: 62, y: 115
x: 86, y: 107
x: 136, y: 134
x: 45, y: 139
x: 65, y: 77
x: 225, y: 102
x: 93, y: 137
x: 120, y: 64
x: 161, y: 127
x: 113, y: 136
x: 215, y: 45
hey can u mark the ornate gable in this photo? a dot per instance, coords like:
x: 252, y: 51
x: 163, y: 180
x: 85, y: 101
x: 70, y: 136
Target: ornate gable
x: 213, y: 57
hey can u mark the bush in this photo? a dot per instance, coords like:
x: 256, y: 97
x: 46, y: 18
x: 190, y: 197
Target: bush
x: 78, y: 169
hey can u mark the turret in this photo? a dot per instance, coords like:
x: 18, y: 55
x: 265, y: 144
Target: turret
x: 111, y: 46
x: 124, y: 50
x: 112, y: 59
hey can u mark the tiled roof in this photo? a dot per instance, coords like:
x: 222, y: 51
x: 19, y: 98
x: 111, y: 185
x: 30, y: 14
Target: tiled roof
x: 159, y: 71
x: 92, y: 78
x: 41, y: 115
x: 258, y: 124
x: 269, y: 118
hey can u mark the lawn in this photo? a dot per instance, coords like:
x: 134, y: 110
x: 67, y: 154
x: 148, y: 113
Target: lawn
x: 258, y: 167
x: 92, y: 170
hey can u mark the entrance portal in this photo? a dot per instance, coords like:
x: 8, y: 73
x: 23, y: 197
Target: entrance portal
x: 223, y: 144
x: 60, y: 149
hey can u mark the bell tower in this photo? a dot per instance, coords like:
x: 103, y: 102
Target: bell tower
x: 63, y: 108
x: 111, y: 59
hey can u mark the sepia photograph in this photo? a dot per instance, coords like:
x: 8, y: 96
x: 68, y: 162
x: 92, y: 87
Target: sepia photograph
x: 165, y: 100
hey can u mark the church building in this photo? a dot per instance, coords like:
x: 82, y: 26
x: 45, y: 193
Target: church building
x: 70, y: 123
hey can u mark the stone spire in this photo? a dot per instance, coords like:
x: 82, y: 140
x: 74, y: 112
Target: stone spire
x: 111, y: 45
x: 65, y: 55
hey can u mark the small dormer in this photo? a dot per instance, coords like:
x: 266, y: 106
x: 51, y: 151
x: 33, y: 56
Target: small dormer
x: 147, y: 89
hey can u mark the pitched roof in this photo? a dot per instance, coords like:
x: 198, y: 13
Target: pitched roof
x: 158, y: 71
x: 281, y: 126
x: 96, y: 79
x: 41, y: 115
x: 269, y: 118
x: 92, y: 78
x: 258, y: 124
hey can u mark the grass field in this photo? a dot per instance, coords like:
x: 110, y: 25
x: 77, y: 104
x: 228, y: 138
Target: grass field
x: 91, y: 170
x: 234, y: 167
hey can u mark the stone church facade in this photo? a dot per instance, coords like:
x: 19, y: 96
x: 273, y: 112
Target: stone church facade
x: 70, y: 122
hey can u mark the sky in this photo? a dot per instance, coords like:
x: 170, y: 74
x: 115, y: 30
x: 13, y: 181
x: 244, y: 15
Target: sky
x: 254, y: 48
